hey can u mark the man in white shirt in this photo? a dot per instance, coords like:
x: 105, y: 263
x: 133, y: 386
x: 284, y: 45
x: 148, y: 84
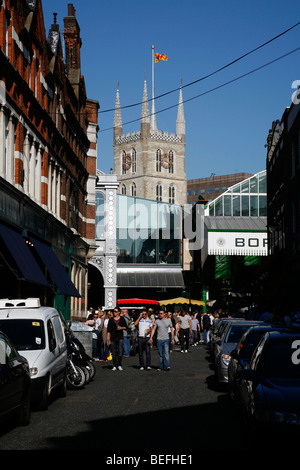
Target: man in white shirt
x: 144, y: 324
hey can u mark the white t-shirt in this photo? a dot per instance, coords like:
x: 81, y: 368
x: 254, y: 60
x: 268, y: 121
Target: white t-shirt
x: 144, y: 325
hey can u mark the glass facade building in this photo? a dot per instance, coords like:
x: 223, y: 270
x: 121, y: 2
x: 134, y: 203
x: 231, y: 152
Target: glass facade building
x: 148, y: 232
x: 245, y: 199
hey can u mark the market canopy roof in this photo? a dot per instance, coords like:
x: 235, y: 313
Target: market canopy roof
x: 181, y: 300
x: 150, y: 278
x: 137, y: 301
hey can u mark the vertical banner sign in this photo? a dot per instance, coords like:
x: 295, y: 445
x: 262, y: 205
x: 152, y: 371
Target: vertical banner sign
x: 222, y: 267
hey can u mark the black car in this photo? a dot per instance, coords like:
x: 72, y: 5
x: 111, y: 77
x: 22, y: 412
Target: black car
x: 241, y: 355
x: 15, y: 383
x: 268, y: 389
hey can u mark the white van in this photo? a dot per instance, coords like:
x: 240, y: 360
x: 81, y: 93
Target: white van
x: 38, y: 334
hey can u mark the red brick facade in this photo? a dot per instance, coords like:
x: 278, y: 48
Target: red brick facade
x: 49, y: 110
x: 48, y: 141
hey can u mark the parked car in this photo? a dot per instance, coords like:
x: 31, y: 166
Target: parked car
x: 241, y: 355
x: 226, y: 343
x: 15, y: 384
x: 37, y: 333
x: 218, y: 330
x: 268, y: 387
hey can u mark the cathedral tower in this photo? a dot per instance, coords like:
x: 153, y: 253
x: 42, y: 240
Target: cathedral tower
x: 150, y: 163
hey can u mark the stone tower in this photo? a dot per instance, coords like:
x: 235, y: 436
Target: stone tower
x: 150, y: 163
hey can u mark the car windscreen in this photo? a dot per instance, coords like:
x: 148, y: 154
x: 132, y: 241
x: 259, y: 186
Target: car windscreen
x: 26, y: 335
x: 281, y: 360
x: 235, y: 332
x: 246, y: 347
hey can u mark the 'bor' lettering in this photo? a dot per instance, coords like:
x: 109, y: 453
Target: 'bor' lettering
x: 250, y: 242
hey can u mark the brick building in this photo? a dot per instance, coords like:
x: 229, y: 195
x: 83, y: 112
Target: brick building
x: 283, y: 170
x: 213, y: 186
x: 48, y: 153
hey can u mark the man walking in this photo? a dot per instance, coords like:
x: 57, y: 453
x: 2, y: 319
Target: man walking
x: 144, y: 324
x: 185, y: 328
x: 162, y: 325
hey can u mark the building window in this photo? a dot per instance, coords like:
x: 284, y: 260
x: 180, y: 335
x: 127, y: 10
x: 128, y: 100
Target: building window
x: 202, y: 191
x: 99, y: 222
x: 123, y: 163
x: 189, y: 192
x: 171, y: 194
x: 159, y: 192
x: 158, y: 160
x: 209, y: 190
x: 133, y: 160
x: 171, y: 161
x: 133, y: 189
x: 123, y: 189
x: 217, y: 189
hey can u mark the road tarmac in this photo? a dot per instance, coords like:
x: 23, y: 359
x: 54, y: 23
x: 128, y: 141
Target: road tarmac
x: 179, y: 411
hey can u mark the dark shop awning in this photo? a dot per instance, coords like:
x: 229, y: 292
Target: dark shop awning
x: 22, y: 256
x: 55, y: 269
x: 157, y: 279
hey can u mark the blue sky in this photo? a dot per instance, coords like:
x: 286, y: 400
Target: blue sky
x: 226, y: 129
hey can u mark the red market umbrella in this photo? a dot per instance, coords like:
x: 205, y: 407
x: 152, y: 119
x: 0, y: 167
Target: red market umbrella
x: 137, y: 302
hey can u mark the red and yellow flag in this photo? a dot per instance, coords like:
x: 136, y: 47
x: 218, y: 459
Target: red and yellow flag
x: 159, y: 57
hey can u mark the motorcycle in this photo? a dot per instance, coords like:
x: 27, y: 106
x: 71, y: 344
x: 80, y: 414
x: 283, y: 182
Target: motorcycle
x: 75, y: 375
x: 79, y: 357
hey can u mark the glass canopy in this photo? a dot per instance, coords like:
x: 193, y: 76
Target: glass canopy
x: 245, y: 199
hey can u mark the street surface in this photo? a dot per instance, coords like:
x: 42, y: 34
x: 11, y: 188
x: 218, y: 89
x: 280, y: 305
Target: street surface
x: 177, y: 412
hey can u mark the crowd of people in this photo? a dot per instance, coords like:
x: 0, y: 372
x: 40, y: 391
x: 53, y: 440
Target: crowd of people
x: 117, y: 333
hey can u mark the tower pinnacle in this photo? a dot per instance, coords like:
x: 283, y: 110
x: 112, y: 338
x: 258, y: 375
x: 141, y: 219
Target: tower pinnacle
x: 180, y: 122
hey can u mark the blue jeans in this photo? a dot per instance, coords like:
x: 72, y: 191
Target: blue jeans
x: 126, y: 345
x: 206, y: 336
x: 164, y: 353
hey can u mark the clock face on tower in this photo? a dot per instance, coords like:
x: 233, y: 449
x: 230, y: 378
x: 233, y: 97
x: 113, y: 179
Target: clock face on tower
x: 126, y: 161
x: 166, y: 160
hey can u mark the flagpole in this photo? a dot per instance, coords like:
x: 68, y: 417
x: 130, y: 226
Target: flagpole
x: 152, y: 74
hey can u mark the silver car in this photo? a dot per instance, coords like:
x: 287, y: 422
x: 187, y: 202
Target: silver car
x: 226, y: 343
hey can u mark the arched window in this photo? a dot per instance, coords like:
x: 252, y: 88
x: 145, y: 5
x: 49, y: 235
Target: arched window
x: 159, y: 192
x: 133, y: 160
x: 123, y: 189
x: 172, y: 194
x: 158, y: 160
x: 171, y: 161
x: 133, y: 189
x: 123, y: 162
